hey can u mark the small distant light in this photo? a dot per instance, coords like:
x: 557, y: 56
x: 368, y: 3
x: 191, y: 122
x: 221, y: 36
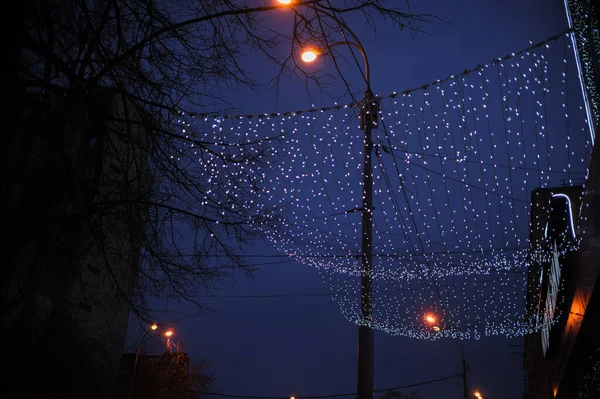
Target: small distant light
x: 168, y: 333
x: 436, y: 328
x: 286, y: 2
x: 292, y: 397
x: 430, y: 318
x: 153, y: 327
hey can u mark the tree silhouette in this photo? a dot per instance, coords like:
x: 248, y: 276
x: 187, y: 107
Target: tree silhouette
x: 100, y: 193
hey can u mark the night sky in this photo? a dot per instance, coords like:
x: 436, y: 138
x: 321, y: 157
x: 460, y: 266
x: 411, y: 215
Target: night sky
x: 281, y: 333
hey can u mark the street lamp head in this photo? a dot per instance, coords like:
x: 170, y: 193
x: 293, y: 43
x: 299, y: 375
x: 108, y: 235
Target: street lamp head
x: 169, y: 333
x: 153, y: 326
x: 430, y: 318
x: 478, y: 395
x: 309, y: 55
x: 285, y: 2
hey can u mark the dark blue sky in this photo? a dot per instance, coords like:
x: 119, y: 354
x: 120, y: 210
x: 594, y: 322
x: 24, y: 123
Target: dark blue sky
x: 281, y: 334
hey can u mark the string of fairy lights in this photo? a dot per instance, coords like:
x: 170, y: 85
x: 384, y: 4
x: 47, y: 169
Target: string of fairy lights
x: 455, y: 163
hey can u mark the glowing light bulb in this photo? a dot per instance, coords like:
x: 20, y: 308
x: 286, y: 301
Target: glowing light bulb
x: 309, y: 56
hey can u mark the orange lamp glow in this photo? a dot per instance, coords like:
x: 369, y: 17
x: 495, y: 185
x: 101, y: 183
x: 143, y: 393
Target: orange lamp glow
x: 153, y: 327
x: 286, y: 2
x: 169, y: 333
x: 309, y: 55
x: 430, y: 318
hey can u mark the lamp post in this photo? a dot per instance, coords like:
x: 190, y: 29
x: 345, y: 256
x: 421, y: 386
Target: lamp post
x: 368, y: 120
x: 369, y: 110
x: 432, y: 320
x: 168, y: 333
x: 464, y: 372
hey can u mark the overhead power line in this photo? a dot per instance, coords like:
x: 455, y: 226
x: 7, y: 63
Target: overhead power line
x: 390, y: 95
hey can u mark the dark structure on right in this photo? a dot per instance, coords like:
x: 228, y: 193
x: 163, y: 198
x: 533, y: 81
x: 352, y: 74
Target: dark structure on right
x: 562, y: 354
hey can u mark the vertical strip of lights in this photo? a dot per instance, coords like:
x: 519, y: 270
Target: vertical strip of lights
x: 588, y: 89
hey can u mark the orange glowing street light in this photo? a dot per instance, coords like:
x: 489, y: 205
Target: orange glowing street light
x: 432, y: 320
x: 309, y: 55
x: 285, y: 2
x: 478, y: 395
x: 169, y: 333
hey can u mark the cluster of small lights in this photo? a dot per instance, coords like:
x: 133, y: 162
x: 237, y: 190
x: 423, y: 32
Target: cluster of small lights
x: 454, y: 165
x: 586, y: 30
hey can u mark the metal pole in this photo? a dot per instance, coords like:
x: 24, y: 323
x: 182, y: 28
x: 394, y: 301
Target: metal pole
x: 464, y: 373
x: 365, y: 329
x: 135, y: 362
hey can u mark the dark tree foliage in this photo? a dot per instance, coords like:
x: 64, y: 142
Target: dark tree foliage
x: 97, y: 202
x: 171, y: 375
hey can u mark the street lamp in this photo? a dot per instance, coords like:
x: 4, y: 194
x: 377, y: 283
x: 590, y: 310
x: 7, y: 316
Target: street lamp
x: 309, y: 55
x: 478, y: 395
x: 368, y: 120
x: 433, y: 322
x: 168, y: 333
x: 430, y: 318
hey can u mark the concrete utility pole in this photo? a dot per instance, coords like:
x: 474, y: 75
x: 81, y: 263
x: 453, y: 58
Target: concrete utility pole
x: 464, y: 372
x: 369, y: 111
x: 368, y: 118
x: 464, y: 377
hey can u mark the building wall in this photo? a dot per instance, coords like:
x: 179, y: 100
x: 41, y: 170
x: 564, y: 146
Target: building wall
x: 75, y: 235
x: 103, y: 286
x: 557, y: 373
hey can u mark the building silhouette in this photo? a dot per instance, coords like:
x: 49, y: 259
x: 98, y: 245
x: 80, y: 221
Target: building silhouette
x: 562, y: 358
x: 73, y: 190
x: 147, y: 376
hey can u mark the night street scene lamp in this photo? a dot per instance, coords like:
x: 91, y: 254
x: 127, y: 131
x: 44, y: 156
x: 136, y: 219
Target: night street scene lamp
x: 369, y: 110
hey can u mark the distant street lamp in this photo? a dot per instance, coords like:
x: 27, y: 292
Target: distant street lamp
x: 433, y: 322
x: 168, y: 333
x: 430, y: 318
x: 478, y: 395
